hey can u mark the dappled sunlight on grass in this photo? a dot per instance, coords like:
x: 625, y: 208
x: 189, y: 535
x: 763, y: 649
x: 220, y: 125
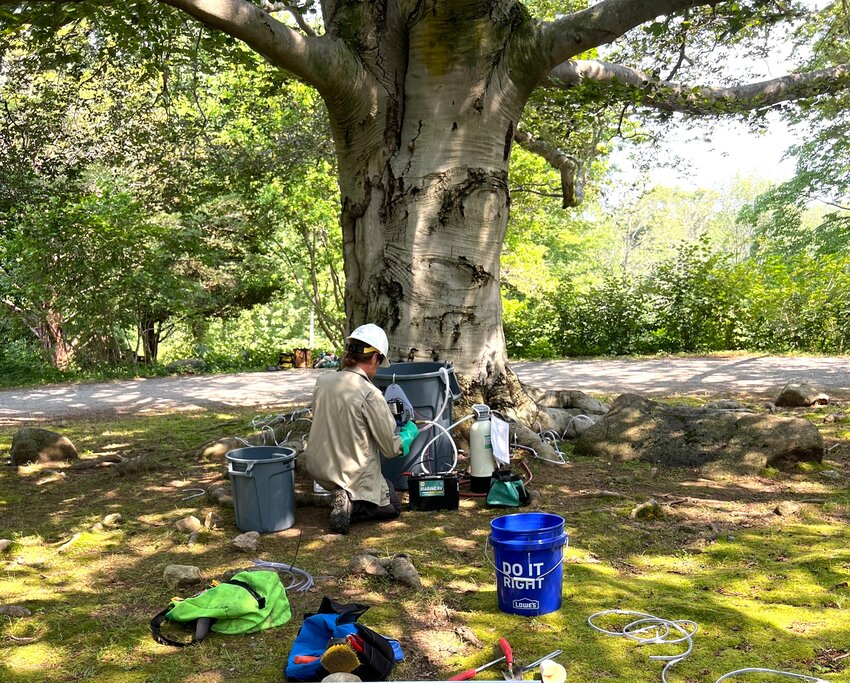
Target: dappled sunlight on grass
x: 765, y: 589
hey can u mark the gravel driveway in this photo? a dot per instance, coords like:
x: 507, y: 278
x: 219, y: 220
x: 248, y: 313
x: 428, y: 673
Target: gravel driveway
x: 760, y: 376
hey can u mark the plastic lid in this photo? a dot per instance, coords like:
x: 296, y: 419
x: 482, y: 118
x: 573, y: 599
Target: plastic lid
x: 481, y: 411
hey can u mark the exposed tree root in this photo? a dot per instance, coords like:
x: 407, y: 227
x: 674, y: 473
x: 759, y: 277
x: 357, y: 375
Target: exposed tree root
x: 530, y: 410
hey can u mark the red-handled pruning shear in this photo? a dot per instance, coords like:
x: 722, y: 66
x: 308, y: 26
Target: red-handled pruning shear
x: 509, y: 655
x: 471, y: 673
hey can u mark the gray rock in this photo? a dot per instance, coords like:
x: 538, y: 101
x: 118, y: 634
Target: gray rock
x: 247, y: 542
x: 15, y: 611
x: 213, y: 520
x: 787, y: 508
x: 97, y: 527
x: 113, y: 519
x: 181, y: 576
x: 331, y: 538
x: 639, y: 429
x: 404, y: 572
x: 41, y: 446
x: 5, y: 544
x: 366, y: 564
x: 831, y: 474
x: 193, y: 538
x: 221, y: 495
x: 800, y: 396
x: 188, y: 524
x: 341, y: 678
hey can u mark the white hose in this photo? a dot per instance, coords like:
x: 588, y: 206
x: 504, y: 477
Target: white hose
x: 771, y: 671
x: 662, y: 628
x: 444, y: 373
x: 301, y: 582
x: 445, y: 430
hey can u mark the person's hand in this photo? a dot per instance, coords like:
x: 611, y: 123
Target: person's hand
x: 408, y: 434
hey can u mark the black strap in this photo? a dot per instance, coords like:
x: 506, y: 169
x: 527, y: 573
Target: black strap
x: 202, y: 625
x: 157, y: 633
x: 261, y: 601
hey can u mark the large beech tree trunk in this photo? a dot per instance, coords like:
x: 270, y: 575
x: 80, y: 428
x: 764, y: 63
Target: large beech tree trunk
x: 423, y: 165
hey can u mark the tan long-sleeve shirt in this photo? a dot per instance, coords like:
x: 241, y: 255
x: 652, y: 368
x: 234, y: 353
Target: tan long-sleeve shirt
x: 352, y: 426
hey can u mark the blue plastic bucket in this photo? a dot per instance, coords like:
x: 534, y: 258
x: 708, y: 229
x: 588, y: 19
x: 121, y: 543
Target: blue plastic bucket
x: 528, y: 552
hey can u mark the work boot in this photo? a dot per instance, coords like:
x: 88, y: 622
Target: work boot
x: 341, y: 512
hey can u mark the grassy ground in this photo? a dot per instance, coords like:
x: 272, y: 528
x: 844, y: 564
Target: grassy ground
x: 766, y: 590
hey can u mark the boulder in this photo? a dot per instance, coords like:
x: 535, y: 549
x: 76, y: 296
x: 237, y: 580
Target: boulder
x: 113, y: 519
x: 14, y: 611
x: 31, y: 444
x: 247, y: 542
x: 787, y: 508
x: 404, y: 572
x: 800, y: 396
x: 366, y: 564
x: 181, y: 576
x: 639, y: 429
x: 189, y: 524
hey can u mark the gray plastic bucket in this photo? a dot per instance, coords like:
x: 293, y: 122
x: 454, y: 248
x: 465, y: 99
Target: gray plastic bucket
x: 263, y: 482
x: 425, y: 387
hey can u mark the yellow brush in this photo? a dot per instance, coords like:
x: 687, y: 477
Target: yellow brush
x: 340, y: 657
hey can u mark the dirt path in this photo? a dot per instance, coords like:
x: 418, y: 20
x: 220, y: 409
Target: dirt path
x: 758, y: 376
x: 761, y: 376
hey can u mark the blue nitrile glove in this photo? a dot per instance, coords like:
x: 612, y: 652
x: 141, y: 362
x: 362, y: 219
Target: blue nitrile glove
x: 408, y: 434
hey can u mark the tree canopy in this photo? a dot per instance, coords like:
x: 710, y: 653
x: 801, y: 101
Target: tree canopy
x: 425, y: 102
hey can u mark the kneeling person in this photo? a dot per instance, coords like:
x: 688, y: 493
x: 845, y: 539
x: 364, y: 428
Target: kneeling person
x: 352, y: 426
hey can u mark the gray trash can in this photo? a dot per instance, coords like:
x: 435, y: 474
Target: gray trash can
x: 263, y: 481
x: 424, y: 384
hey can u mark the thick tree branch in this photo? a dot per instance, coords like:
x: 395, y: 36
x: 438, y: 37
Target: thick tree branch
x: 260, y: 31
x: 603, y: 23
x: 572, y: 189
x: 315, y: 59
x: 700, y: 100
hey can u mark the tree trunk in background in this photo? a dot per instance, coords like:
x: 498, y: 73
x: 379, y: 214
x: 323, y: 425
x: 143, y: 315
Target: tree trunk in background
x: 149, y: 331
x: 52, y: 337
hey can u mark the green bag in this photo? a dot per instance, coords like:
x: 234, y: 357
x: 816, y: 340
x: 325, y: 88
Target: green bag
x: 506, y: 490
x: 249, y: 602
